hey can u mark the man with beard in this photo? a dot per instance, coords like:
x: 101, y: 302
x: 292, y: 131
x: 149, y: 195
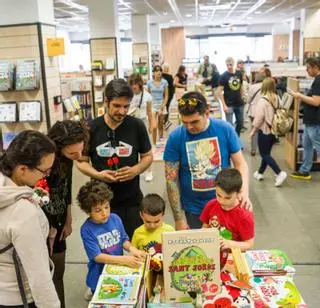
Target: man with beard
x: 119, y: 150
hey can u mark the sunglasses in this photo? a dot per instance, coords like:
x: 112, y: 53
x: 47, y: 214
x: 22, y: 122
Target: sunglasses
x: 191, y: 102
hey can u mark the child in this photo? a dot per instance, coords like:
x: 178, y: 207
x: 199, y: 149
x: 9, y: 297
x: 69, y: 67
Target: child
x: 103, y: 234
x: 236, y: 225
x: 148, y: 236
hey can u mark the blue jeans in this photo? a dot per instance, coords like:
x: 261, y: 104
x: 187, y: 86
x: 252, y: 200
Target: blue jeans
x: 238, y: 112
x: 193, y: 220
x: 265, y: 144
x: 311, y: 139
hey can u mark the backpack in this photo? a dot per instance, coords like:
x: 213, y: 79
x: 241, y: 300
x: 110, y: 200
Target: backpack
x: 282, y: 120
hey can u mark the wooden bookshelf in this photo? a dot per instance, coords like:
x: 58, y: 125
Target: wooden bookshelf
x: 102, y: 49
x: 141, y: 60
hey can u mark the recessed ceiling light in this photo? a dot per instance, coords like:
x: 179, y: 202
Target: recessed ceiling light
x: 204, y: 17
x: 172, y: 21
x: 249, y: 17
x: 165, y: 13
x: 257, y: 12
x: 188, y: 15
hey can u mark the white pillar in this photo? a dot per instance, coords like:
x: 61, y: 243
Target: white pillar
x: 292, y: 28
x: 140, y: 29
x: 302, y: 28
x: 155, y: 37
x: 14, y: 12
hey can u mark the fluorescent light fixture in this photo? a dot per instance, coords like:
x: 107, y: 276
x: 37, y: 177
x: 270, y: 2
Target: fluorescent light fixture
x: 188, y: 15
x: 253, y: 8
x: 274, y: 7
x: 172, y: 21
x: 127, y: 5
x: 217, y: 2
x: 232, y: 9
x: 175, y: 10
x: 249, y: 17
x: 74, y: 5
x: 257, y: 12
x: 215, y: 7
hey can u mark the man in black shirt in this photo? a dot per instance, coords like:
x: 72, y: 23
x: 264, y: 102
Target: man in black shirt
x: 117, y: 141
x: 230, y: 93
x: 311, y: 119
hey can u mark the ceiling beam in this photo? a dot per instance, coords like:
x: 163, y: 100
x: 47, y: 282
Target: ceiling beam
x: 151, y: 7
x: 74, y: 5
x: 231, y: 10
x: 175, y: 10
x: 252, y: 9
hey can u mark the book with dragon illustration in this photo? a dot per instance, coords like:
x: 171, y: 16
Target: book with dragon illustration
x: 117, y: 289
x: 269, y: 262
x: 191, y: 264
x: 275, y: 292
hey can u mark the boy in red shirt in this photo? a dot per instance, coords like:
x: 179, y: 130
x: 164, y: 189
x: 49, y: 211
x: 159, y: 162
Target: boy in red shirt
x: 235, y: 224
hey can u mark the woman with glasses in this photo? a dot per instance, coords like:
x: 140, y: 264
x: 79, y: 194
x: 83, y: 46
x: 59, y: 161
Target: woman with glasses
x: 25, y: 280
x: 158, y: 88
x: 68, y: 137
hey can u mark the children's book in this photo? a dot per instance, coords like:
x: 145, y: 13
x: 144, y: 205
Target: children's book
x: 27, y: 74
x: 117, y: 289
x: 191, y: 264
x: 269, y: 262
x: 276, y: 292
x: 111, y: 269
x: 6, y: 75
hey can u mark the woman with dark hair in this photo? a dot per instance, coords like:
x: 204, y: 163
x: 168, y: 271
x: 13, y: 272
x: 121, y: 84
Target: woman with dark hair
x: 69, y: 137
x: 158, y: 88
x: 24, y: 261
x: 180, y: 81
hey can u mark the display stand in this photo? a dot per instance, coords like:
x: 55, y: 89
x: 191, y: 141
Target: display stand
x: 141, y: 60
x: 293, y: 141
x: 28, y: 42
x: 103, y: 50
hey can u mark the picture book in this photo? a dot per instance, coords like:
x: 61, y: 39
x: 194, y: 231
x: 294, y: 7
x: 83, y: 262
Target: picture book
x: 6, y: 75
x: 30, y: 111
x: 191, y: 264
x: 27, y: 74
x: 269, y: 262
x: 276, y: 291
x: 111, y: 269
x: 117, y: 289
x: 8, y: 112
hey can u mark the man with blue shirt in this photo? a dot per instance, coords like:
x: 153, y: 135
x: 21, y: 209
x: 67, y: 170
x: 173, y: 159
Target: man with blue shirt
x: 195, y: 152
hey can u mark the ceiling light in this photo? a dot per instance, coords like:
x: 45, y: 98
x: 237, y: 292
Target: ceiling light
x: 217, y: 2
x: 172, y: 21
x: 249, y: 17
x: 165, y: 13
x: 257, y: 12
x: 188, y: 15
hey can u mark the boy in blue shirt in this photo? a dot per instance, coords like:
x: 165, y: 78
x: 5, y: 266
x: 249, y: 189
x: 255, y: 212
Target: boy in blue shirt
x: 103, y: 234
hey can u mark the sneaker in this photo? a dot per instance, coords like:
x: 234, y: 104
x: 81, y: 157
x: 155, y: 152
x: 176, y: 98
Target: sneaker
x: 258, y: 176
x: 88, y: 295
x: 280, y: 178
x: 301, y: 175
x: 149, y: 176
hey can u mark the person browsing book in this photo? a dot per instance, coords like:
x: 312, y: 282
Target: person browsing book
x: 235, y: 224
x: 103, y: 235
x: 148, y: 236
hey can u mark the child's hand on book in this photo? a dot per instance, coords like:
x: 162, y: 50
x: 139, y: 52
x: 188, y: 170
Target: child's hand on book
x: 131, y: 261
x: 139, y: 254
x: 224, y: 244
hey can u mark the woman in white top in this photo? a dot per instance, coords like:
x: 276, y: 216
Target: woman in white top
x: 262, y: 124
x: 24, y: 227
x: 158, y: 88
x: 141, y: 107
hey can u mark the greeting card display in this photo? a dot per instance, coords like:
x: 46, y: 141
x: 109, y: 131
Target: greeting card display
x: 8, y: 112
x: 27, y: 75
x: 6, y: 75
x: 29, y: 111
x: 191, y: 264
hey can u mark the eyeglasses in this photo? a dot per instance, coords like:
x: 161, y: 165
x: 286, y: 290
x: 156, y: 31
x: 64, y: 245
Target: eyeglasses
x: 44, y: 172
x: 191, y: 101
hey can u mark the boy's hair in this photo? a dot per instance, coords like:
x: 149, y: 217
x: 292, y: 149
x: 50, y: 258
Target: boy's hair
x: 187, y: 109
x: 93, y: 193
x: 117, y: 88
x: 229, y: 180
x: 153, y: 205
x: 315, y: 61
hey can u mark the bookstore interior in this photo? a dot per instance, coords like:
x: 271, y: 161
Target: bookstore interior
x: 56, y: 58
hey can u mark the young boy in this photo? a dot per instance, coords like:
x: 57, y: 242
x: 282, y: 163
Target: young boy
x: 236, y: 225
x: 148, y: 236
x: 103, y: 234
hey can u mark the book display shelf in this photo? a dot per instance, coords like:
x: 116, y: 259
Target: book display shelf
x: 141, y: 60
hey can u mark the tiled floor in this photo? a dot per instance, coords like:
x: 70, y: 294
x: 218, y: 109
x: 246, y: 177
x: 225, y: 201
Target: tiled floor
x: 287, y: 218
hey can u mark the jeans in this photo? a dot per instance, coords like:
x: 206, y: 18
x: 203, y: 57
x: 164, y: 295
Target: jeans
x: 193, y: 221
x: 238, y: 112
x: 311, y: 139
x: 265, y: 144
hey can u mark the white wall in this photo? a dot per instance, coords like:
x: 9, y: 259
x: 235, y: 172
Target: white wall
x: 312, y: 24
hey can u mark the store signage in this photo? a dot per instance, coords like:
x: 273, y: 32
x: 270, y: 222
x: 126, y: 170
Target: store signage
x: 55, y: 46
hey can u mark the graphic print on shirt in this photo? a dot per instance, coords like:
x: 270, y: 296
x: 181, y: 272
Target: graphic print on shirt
x: 121, y: 150
x: 109, y: 240
x: 223, y: 231
x: 234, y: 83
x: 204, y: 161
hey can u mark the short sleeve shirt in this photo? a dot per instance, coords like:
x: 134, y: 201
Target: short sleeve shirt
x: 236, y: 224
x: 311, y: 114
x: 145, y: 98
x: 157, y: 92
x: 201, y: 157
x: 231, y: 84
x: 105, y: 238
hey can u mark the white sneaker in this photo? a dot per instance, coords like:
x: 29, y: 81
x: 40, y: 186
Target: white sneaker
x: 280, y: 178
x: 258, y: 176
x: 88, y: 295
x: 148, y: 176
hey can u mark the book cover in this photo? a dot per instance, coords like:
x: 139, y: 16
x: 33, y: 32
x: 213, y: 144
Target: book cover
x: 271, y: 261
x: 117, y: 289
x: 111, y: 269
x: 27, y: 75
x: 191, y: 263
x: 276, y: 291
